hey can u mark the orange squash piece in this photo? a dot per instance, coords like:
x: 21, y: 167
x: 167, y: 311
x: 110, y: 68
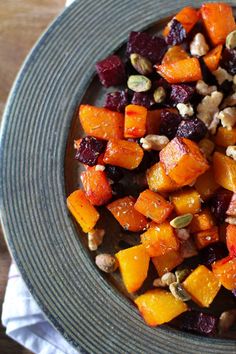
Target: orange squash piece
x: 206, y: 184
x: 231, y: 239
x: 183, y: 161
x: 232, y: 206
x: 158, y: 180
x: 159, y: 239
x: 153, y: 206
x: 82, y: 210
x: 202, y: 221
x: 185, y: 70
x: 166, y: 262
x: 206, y: 237
x: 225, y: 137
x: 212, y: 58
x: 128, y: 217
x: 225, y: 270
x: 135, y: 121
x: 174, y: 54
x: 188, y: 17
x: 225, y: 171
x: 133, y: 263
x: 159, y: 306
x: 218, y: 20
x: 202, y: 285
x: 126, y: 154
x: 186, y: 201
x: 96, y: 186
x: 101, y: 122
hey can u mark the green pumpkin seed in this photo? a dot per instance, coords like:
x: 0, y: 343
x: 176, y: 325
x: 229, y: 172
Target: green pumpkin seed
x: 139, y: 83
x: 142, y: 65
x: 231, y: 40
x: 182, y: 274
x: 181, y: 221
x: 159, y: 95
x: 179, y: 292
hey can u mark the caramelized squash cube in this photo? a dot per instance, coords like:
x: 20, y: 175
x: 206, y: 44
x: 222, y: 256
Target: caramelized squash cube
x: 166, y: 262
x: 174, y: 54
x: 225, y: 270
x: 186, y: 201
x: 224, y: 171
x: 158, y: 180
x: 212, y: 58
x: 187, y: 16
x: 135, y: 121
x: 206, y: 184
x: 202, y: 221
x: 225, y: 137
x: 231, y: 239
x: 205, y: 238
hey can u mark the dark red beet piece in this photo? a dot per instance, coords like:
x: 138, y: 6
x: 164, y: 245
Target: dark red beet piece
x: 219, y: 204
x: 118, y: 190
x: 181, y: 93
x: 193, y: 129
x: 177, y: 33
x: 143, y: 99
x: 116, y: 101
x: 111, y: 71
x: 226, y: 87
x: 213, y: 253
x: 150, y: 47
x: 228, y: 61
x: 149, y: 158
x: 114, y: 173
x: 199, y: 322
x: 207, y: 75
x: 89, y: 150
x: 169, y: 123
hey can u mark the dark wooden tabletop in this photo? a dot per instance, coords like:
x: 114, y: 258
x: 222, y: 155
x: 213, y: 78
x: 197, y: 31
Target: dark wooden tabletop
x: 21, y: 23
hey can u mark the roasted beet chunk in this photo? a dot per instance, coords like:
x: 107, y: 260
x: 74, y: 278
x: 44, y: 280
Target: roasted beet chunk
x: 116, y: 101
x: 199, y: 322
x: 228, y: 61
x: 89, y: 150
x: 181, y: 93
x: 169, y: 123
x: 143, y: 99
x: 150, y: 47
x: 177, y: 33
x: 111, y: 71
x: 219, y: 204
x: 226, y: 87
x: 193, y: 129
x: 118, y: 190
x: 213, y: 253
x: 114, y: 173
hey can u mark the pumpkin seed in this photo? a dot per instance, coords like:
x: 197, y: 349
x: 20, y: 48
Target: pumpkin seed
x: 159, y: 94
x: 231, y: 40
x: 158, y: 283
x: 168, y: 278
x: 139, y: 83
x: 181, y: 274
x: 106, y: 262
x: 179, y: 292
x: 142, y: 65
x: 181, y: 221
x: 226, y: 320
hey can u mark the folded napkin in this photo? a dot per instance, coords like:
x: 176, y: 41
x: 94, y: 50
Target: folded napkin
x: 23, y: 319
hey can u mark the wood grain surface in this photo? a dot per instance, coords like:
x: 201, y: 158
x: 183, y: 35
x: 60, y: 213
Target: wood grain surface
x: 21, y: 23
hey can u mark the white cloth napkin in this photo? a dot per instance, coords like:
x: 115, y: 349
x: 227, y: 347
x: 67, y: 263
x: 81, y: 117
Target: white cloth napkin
x: 23, y: 319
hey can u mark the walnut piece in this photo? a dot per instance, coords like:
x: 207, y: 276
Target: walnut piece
x: 95, y: 238
x: 185, y: 109
x: 208, y: 107
x: 222, y: 75
x: 198, y: 46
x: 203, y: 89
x: 231, y: 151
x: 154, y: 142
x: 228, y: 117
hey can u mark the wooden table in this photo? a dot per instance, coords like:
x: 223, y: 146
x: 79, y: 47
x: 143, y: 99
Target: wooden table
x: 21, y: 23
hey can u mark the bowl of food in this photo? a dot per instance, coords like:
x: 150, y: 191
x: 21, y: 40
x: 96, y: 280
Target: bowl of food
x: 117, y: 179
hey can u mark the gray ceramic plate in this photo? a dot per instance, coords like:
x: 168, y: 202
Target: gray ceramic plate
x: 84, y: 306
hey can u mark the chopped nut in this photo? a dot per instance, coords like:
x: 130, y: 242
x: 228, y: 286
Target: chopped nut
x: 154, y: 142
x: 182, y: 274
x: 158, y: 283
x: 168, y: 278
x: 139, y: 83
x: 206, y: 146
x: 231, y: 220
x: 185, y: 109
x: 228, y: 117
x: 209, y: 106
x: 231, y: 151
x: 181, y: 221
x: 229, y: 101
x: 226, y: 320
x: 231, y: 40
x: 203, y: 89
x: 183, y: 234
x: 159, y: 94
x: 141, y: 64
x: 198, y: 46
x: 106, y: 262
x: 77, y: 143
x: 222, y: 75
x: 188, y: 249
x: 214, y: 124
x: 99, y: 168
x: 179, y: 292
x: 95, y: 238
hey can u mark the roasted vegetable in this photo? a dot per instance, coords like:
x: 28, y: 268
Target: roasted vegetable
x: 202, y: 221
x: 135, y: 121
x: 231, y: 239
x: 225, y: 171
x: 158, y: 180
x: 225, y: 137
x: 174, y: 54
x: 206, y: 184
x: 186, y: 201
x: 166, y: 262
x: 188, y: 17
x: 212, y: 58
x: 225, y: 270
x: 206, y: 237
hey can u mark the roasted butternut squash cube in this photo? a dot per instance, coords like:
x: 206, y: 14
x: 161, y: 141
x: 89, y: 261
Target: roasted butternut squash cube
x: 174, y: 54
x: 159, y: 306
x: 127, y: 216
x: 202, y: 221
x: 225, y: 137
x: 153, y: 206
x: 133, y: 263
x: 166, y: 262
x: 101, y: 122
x: 126, y: 154
x: 159, y: 239
x: 212, y: 58
x: 231, y: 239
x: 206, y: 184
x: 183, y: 161
x: 82, y: 210
x: 224, y: 171
x: 187, y: 16
x: 205, y: 238
x: 186, y: 201
x: 158, y: 180
x: 225, y: 270
x: 135, y: 121
x: 202, y: 285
